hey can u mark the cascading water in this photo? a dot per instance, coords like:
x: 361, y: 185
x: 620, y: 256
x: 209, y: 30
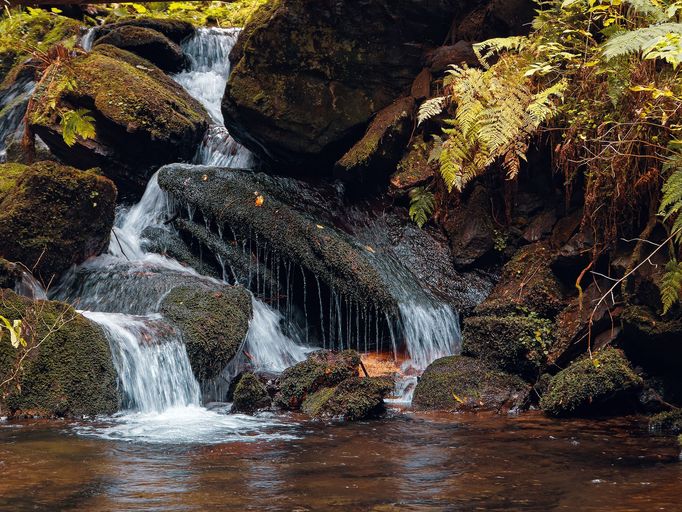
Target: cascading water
x: 14, y: 101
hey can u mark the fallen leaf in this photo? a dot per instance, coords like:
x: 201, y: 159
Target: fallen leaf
x: 260, y: 200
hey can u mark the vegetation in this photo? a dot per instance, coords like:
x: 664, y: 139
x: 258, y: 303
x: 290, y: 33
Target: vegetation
x: 600, y: 80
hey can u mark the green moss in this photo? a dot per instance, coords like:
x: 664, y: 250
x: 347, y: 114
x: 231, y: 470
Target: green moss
x: 9, y: 174
x: 352, y: 400
x: 602, y: 385
x: 459, y: 383
x: 250, y: 395
x: 321, y: 369
x: 516, y: 343
x: 669, y: 422
x: 55, y: 216
x: 414, y: 168
x: 213, y: 324
x: 70, y: 373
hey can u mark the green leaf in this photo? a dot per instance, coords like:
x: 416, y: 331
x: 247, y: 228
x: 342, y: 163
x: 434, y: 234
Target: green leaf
x: 422, y: 205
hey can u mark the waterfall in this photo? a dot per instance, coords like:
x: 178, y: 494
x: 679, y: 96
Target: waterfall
x: 13, y: 103
x: 88, y: 38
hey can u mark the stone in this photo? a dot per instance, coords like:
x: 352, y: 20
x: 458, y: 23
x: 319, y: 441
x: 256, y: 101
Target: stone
x: 465, y: 384
x: 421, y: 87
x: 175, y: 30
x: 250, y: 395
x: 414, y: 168
x: 354, y: 399
x: 440, y: 59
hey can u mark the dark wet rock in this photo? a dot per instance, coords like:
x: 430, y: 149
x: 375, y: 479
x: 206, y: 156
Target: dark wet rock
x: 668, y: 422
x: 307, y: 77
x: 353, y: 400
x: 378, y: 151
x: 213, y: 324
x: 515, y: 343
x: 605, y: 384
x: 69, y: 374
x: 460, y: 383
x: 414, y: 168
x: 142, y: 117
x: 148, y: 44
x: 175, y: 30
x: 540, y: 226
x: 322, y: 369
x: 250, y: 395
x: 440, y: 59
x: 526, y: 283
x: 10, y: 274
x: 231, y: 199
x: 421, y: 87
x: 471, y: 229
x: 53, y: 216
x: 496, y: 18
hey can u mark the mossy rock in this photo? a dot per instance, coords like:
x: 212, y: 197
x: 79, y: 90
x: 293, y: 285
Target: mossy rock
x: 148, y: 44
x: 353, y: 400
x: 668, y: 422
x: 53, y: 216
x: 10, y: 273
x: 604, y: 385
x: 250, y: 395
x: 308, y: 77
x: 517, y: 344
x: 175, y: 30
x: 143, y: 118
x: 70, y: 372
x: 414, y: 168
x: 382, y: 145
x: 227, y: 198
x: 213, y: 324
x: 459, y: 383
x: 321, y: 369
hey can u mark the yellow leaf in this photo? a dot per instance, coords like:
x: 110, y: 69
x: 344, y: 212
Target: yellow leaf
x: 457, y: 399
x: 369, y: 248
x: 260, y: 200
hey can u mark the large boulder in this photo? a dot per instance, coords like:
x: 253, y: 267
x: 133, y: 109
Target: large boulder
x: 322, y: 369
x: 602, y: 385
x: 143, y: 118
x: 250, y: 395
x: 148, y: 44
x: 213, y: 324
x: 308, y: 76
x: 69, y: 370
x: 460, y: 383
x: 53, y: 216
x: 175, y: 30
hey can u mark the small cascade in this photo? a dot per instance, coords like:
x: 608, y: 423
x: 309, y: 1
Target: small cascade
x: 13, y: 103
x: 208, y: 51
x: 88, y: 38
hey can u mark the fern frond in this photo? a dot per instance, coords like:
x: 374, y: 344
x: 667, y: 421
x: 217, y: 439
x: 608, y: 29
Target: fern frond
x: 671, y: 285
x: 639, y: 40
x: 648, y: 8
x: 422, y: 205
x: 486, y: 49
x: 543, y: 107
x: 431, y: 108
x: 671, y: 202
x: 77, y: 123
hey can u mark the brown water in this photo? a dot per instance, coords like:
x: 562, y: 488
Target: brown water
x: 407, y: 462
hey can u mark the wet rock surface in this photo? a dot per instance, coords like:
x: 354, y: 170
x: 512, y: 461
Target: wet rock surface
x: 250, y: 395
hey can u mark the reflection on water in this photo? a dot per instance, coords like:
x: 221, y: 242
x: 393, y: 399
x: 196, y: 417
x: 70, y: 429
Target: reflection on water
x: 409, y: 462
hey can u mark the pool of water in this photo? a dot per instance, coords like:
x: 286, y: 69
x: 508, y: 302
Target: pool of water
x: 409, y: 461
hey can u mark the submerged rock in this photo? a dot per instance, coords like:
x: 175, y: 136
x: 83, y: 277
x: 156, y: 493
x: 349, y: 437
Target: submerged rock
x: 604, y: 385
x: 668, y: 422
x: 307, y: 77
x: 148, y: 44
x: 459, y: 383
x: 213, y: 323
x: 250, y: 395
x: 69, y: 372
x: 142, y: 117
x: 322, y: 369
x: 353, y: 400
x: 53, y: 216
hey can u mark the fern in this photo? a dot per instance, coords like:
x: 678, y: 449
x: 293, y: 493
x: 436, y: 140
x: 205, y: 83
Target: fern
x: 422, y: 205
x: 671, y: 285
x: 648, y: 8
x: 671, y: 203
x: 641, y: 40
x: 487, y: 49
x: 75, y: 124
x: 431, y: 108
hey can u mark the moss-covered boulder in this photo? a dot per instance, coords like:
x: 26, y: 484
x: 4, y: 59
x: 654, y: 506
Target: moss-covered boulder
x: 148, y: 44
x: 322, y: 369
x: 250, y: 395
x: 308, y: 76
x: 414, y: 168
x: 69, y: 370
x: 353, y: 400
x: 254, y: 206
x: 516, y: 343
x: 382, y: 145
x: 459, y: 383
x: 213, y: 324
x: 668, y: 422
x: 53, y: 216
x: 605, y: 384
x: 143, y: 118
x: 175, y: 30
